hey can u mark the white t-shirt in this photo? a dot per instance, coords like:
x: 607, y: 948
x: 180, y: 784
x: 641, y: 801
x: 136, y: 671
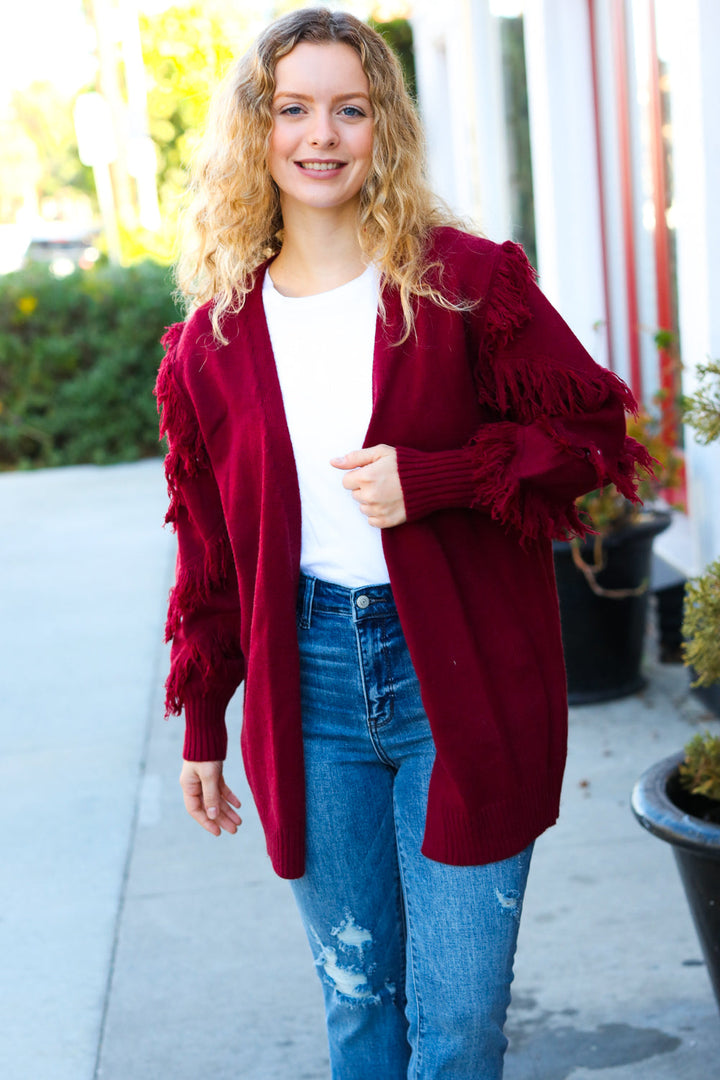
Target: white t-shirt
x: 324, y: 347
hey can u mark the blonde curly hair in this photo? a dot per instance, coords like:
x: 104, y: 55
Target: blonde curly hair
x: 234, y: 222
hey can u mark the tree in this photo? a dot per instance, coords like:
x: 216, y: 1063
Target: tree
x: 45, y: 117
x: 187, y: 49
x: 20, y: 170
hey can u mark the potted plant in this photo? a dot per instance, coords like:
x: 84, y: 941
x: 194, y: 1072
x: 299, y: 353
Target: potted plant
x: 603, y: 582
x: 678, y: 799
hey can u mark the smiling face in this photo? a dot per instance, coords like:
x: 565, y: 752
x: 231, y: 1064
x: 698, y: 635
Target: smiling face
x: 322, y: 137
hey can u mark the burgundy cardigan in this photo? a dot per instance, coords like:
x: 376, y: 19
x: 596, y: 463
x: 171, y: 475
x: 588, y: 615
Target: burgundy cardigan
x: 501, y: 419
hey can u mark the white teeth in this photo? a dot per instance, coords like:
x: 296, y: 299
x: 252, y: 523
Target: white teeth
x: 318, y: 166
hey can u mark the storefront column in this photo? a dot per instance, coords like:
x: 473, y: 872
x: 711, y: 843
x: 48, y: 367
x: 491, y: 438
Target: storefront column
x: 564, y: 163
x: 459, y: 77
x: 692, y: 32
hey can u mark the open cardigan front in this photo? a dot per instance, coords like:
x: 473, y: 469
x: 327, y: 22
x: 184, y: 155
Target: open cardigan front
x: 501, y: 419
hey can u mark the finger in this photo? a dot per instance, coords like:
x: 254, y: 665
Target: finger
x: 211, y: 798
x: 193, y: 803
x: 355, y: 459
x: 352, y: 480
x: 229, y: 820
x: 227, y: 815
x: 230, y: 796
x: 226, y: 818
x: 387, y: 520
x: 196, y: 809
x: 209, y: 826
x: 192, y: 795
x: 219, y: 813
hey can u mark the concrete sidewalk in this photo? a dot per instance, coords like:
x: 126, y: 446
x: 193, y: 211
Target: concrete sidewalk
x: 136, y: 947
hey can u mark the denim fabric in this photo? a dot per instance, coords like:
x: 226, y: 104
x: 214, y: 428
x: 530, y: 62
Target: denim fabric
x: 415, y: 957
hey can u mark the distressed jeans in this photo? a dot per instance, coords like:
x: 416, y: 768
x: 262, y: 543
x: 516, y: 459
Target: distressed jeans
x: 415, y: 956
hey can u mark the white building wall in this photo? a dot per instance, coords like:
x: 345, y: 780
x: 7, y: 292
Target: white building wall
x: 490, y: 151
x: 616, y: 325
x: 693, y: 37
x: 459, y: 78
x: 639, y: 46
x: 431, y: 73
x: 564, y: 164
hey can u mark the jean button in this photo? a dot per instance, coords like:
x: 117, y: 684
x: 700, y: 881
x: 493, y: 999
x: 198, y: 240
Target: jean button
x: 363, y: 601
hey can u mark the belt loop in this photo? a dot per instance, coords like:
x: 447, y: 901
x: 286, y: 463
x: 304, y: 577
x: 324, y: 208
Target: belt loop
x: 308, y: 594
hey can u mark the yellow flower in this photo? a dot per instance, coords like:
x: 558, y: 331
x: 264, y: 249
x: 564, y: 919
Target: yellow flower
x: 27, y: 304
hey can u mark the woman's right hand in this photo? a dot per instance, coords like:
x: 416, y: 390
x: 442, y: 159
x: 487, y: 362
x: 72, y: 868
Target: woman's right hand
x: 208, y: 798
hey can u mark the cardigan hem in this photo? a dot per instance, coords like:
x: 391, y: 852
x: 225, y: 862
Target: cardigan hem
x: 483, y: 849
x: 286, y: 848
x: 462, y: 838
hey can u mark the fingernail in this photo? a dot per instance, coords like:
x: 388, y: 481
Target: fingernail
x: 212, y: 812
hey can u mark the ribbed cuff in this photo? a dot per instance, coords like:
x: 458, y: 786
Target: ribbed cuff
x: 435, y: 479
x: 205, y: 731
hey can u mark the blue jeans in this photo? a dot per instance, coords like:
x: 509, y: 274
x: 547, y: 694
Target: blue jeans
x: 415, y: 956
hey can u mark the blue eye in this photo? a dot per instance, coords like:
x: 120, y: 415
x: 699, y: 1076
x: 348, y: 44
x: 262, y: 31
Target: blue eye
x: 292, y: 110
x: 351, y: 110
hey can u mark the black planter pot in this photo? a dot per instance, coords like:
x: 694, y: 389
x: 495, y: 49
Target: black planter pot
x: 603, y: 637
x: 709, y: 695
x: 669, y: 812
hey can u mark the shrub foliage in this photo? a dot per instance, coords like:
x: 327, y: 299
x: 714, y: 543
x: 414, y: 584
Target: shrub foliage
x: 700, y: 771
x: 701, y: 621
x: 78, y: 359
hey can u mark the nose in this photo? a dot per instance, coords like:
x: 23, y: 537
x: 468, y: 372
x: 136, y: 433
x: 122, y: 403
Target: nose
x: 323, y: 132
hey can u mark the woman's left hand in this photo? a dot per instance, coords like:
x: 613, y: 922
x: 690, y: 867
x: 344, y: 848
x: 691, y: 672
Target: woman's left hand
x: 373, y: 479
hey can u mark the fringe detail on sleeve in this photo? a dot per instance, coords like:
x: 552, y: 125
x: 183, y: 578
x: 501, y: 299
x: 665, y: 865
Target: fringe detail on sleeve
x: 521, y: 507
x: 539, y: 390
x: 507, y: 306
x: 195, y: 582
x: 218, y: 653
x: 508, y: 501
x: 525, y: 390
x: 623, y: 473
x: 634, y: 458
x: 186, y: 455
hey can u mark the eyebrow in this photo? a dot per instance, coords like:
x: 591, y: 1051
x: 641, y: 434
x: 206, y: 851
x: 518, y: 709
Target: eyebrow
x: 307, y: 97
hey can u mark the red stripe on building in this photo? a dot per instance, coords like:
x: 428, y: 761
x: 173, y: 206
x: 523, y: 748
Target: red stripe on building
x: 626, y: 192
x: 601, y: 182
x: 662, y: 241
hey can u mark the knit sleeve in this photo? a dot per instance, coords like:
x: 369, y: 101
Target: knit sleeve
x: 556, y: 426
x: 203, y: 622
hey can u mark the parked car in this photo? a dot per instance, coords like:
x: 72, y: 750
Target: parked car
x: 64, y: 246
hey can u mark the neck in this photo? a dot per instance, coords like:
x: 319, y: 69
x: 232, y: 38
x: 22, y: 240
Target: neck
x: 320, y: 250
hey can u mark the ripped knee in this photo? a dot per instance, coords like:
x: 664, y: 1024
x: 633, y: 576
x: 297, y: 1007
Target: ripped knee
x: 342, y: 965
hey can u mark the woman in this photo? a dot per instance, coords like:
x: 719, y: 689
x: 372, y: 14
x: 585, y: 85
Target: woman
x: 376, y: 424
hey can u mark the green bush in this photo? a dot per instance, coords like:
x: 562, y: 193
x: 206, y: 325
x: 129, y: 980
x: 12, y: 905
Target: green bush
x: 78, y: 359
x: 700, y: 771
